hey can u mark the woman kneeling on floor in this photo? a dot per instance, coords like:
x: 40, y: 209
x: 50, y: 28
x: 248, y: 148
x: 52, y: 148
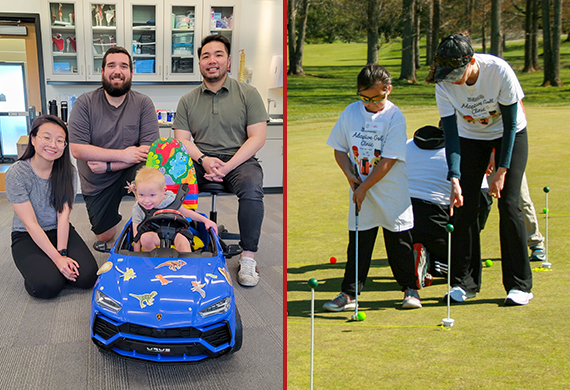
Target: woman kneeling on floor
x: 41, y: 188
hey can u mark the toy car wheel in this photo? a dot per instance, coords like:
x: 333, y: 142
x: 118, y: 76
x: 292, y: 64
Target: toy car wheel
x: 239, y: 333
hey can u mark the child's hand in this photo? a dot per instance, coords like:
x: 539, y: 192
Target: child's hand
x: 358, y: 197
x: 211, y: 225
x: 354, y: 181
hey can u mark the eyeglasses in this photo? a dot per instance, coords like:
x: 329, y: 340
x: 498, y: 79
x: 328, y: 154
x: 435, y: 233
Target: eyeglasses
x: 452, y: 62
x: 372, y: 99
x: 47, y: 140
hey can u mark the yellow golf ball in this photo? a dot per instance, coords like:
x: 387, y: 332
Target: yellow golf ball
x: 361, y: 316
x: 489, y: 263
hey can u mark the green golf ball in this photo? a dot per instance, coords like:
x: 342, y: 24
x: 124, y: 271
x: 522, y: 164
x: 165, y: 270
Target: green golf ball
x: 545, y: 210
x: 546, y: 189
x: 489, y: 263
x: 361, y: 316
x: 313, y: 283
x: 449, y: 228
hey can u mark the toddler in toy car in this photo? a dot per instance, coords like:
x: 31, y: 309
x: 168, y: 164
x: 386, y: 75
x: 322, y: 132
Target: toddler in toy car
x: 151, y: 195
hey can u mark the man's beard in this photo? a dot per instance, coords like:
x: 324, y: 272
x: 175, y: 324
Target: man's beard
x: 116, y: 91
x: 213, y: 79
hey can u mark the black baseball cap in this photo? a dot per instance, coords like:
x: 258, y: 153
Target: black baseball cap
x: 451, y: 58
x: 429, y: 137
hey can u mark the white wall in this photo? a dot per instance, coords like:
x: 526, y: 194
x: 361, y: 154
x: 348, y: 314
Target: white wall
x: 260, y: 36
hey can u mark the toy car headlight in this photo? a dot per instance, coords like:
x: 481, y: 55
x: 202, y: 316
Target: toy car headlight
x: 219, y: 307
x: 107, y: 302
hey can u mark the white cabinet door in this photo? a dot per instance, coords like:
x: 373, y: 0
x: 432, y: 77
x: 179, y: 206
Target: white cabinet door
x: 104, y: 28
x: 221, y: 17
x: 144, y: 25
x: 271, y: 157
x: 64, y: 42
x: 182, y: 36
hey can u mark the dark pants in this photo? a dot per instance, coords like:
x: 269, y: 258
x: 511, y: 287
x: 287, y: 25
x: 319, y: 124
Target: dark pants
x: 399, y: 249
x: 103, y: 208
x: 466, y: 248
x: 430, y: 220
x: 246, y: 181
x: 42, y: 278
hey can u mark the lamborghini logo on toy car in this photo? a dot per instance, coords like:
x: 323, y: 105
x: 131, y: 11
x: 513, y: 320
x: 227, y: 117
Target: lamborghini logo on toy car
x: 159, y: 316
x: 106, y: 267
x: 145, y: 299
x: 128, y: 274
x: 163, y: 280
x: 198, y: 287
x: 174, y: 265
x: 226, y: 274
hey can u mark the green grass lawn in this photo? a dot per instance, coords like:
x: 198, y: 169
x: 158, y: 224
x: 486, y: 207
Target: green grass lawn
x: 490, y: 346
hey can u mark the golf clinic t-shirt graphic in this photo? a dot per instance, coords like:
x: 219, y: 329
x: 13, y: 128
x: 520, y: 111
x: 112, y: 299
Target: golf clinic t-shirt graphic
x: 477, y: 106
x: 367, y: 138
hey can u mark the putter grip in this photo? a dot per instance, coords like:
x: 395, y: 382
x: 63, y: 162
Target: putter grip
x: 356, y: 185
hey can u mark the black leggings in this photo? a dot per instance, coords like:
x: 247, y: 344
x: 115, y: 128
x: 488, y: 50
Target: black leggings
x: 42, y: 278
x: 466, y: 248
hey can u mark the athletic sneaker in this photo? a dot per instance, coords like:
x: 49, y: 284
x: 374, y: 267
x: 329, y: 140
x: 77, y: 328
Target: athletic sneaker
x: 458, y: 294
x: 248, y: 275
x: 411, y: 299
x: 518, y: 297
x: 343, y: 301
x: 421, y: 259
x: 537, y: 254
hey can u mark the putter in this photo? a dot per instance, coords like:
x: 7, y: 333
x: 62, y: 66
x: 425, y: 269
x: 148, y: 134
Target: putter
x: 546, y: 264
x: 448, y: 322
x: 354, y: 317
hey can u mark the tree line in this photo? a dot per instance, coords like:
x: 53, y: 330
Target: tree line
x: 378, y: 22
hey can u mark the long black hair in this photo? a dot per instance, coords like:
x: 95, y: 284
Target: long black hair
x: 62, y: 172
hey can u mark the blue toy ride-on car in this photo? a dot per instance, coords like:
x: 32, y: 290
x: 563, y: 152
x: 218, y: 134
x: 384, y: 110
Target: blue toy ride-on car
x: 166, y: 306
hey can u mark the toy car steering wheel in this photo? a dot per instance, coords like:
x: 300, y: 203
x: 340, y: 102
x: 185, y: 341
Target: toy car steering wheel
x: 166, y: 223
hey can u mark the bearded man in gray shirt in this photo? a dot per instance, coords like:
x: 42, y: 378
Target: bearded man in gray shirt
x: 110, y: 132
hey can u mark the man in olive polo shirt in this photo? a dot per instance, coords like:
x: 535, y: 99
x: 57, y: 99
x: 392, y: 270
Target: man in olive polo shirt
x: 223, y: 123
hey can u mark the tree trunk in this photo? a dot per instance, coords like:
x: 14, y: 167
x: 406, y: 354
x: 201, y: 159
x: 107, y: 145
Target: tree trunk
x: 429, y: 32
x: 373, y: 17
x: 496, y: 47
x: 483, y: 34
x: 556, y: 32
x: 528, y: 68
x: 435, y: 27
x: 417, y: 28
x: 535, y: 17
x: 547, y: 44
x: 408, y: 69
x: 296, y: 30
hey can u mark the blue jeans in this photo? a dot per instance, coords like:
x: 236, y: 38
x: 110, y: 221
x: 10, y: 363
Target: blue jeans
x: 246, y: 181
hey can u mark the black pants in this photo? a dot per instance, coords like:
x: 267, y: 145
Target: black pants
x: 246, y: 181
x: 430, y: 220
x: 42, y: 278
x: 466, y: 247
x: 399, y: 249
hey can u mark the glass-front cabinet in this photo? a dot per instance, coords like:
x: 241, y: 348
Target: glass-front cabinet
x: 63, y: 37
x: 220, y: 18
x: 104, y: 29
x: 144, y: 31
x: 182, y: 38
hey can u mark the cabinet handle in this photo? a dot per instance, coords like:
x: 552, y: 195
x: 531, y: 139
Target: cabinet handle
x: 81, y: 70
x: 88, y: 71
x: 159, y: 69
x: 166, y: 74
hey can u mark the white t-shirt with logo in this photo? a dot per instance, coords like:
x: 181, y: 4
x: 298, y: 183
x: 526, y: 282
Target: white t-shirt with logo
x: 367, y: 137
x: 477, y: 105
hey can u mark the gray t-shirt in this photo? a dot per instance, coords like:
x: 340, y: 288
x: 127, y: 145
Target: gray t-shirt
x: 139, y: 214
x: 218, y: 121
x: 93, y: 121
x: 23, y: 185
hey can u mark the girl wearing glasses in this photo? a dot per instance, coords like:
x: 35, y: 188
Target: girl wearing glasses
x: 369, y: 142
x: 480, y: 104
x: 47, y: 250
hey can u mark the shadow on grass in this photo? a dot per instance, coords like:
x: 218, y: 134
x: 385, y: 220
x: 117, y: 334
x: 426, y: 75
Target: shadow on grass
x: 375, y: 263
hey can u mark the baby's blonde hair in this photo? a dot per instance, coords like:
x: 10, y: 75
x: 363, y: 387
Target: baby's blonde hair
x: 149, y: 174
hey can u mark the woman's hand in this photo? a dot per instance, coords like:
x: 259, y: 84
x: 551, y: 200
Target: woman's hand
x: 456, y: 196
x: 68, y: 267
x: 498, y: 183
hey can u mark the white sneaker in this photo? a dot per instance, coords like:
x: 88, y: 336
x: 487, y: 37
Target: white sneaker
x: 458, y: 294
x: 518, y: 297
x: 248, y: 275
